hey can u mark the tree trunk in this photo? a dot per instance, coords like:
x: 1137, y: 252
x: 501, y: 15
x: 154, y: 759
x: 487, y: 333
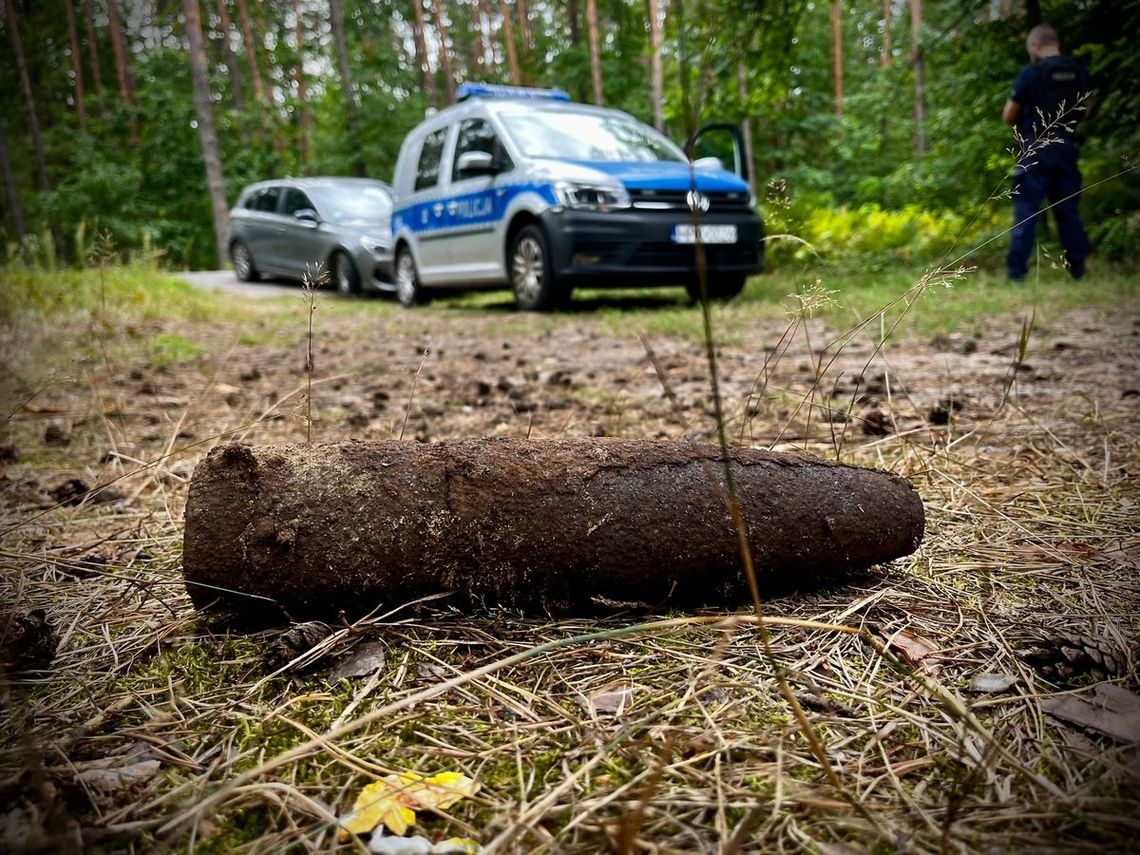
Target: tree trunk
x: 837, y: 56
x: 250, y: 51
x: 122, y: 54
x: 919, y: 78
x: 305, y: 116
x: 657, y: 74
x: 746, y: 121
x: 546, y: 527
x: 93, y: 46
x: 524, y: 35
x: 207, y: 134
x: 481, y: 19
x: 76, y: 65
x: 336, y: 19
x: 230, y: 57
x: 595, y: 49
x: 509, y: 41
x: 888, y: 16
x: 573, y: 16
x: 441, y: 16
x: 123, y: 67
x: 11, y: 191
x: 33, y: 119
x: 419, y: 35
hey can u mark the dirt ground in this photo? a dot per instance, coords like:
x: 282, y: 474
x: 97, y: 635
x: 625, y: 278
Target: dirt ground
x: 1026, y: 457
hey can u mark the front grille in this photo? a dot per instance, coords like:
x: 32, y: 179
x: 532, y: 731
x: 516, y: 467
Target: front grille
x: 664, y: 254
x: 675, y: 200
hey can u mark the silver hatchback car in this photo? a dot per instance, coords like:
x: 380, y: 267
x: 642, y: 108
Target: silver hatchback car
x: 285, y: 227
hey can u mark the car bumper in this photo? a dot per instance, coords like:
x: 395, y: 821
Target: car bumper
x: 376, y: 269
x: 635, y: 248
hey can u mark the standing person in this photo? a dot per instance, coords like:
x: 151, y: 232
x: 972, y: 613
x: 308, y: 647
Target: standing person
x: 1050, y: 97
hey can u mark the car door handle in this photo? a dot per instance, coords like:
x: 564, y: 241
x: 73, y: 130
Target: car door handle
x: 452, y: 207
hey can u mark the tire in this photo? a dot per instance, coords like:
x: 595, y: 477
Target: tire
x: 721, y: 287
x: 244, y: 267
x: 531, y: 272
x: 345, y: 275
x: 408, y: 289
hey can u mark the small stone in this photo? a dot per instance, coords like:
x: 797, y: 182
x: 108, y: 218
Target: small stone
x: 27, y: 641
x: 875, y: 423
x: 75, y: 490
x: 57, y: 434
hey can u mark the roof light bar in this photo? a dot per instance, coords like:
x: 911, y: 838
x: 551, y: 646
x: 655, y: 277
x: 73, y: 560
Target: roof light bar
x: 495, y: 90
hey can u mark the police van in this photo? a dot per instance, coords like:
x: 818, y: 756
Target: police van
x: 523, y: 187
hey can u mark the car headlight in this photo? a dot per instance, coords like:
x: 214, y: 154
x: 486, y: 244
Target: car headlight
x: 375, y: 244
x: 591, y: 197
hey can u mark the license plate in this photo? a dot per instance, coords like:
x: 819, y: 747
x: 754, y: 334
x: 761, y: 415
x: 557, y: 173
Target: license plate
x: 708, y: 234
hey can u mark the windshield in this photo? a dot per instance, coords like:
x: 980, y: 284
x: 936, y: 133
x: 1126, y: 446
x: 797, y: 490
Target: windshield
x: 573, y: 135
x: 355, y: 202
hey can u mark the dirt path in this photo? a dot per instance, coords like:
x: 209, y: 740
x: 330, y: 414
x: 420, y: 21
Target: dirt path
x: 225, y: 282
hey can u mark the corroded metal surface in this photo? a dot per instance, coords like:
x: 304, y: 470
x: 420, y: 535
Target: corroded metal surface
x: 549, y: 527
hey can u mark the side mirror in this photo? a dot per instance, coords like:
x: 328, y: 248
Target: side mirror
x: 472, y: 163
x: 306, y: 215
x: 708, y: 163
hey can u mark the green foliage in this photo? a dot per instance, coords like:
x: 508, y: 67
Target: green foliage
x: 812, y: 228
x: 1118, y: 237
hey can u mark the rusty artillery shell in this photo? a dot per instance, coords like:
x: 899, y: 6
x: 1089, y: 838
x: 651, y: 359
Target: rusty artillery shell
x: 547, y: 527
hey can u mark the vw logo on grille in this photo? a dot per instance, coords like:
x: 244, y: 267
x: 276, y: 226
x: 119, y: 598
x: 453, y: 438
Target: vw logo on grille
x: 698, y: 201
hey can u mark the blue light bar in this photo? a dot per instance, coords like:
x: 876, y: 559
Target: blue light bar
x: 494, y: 90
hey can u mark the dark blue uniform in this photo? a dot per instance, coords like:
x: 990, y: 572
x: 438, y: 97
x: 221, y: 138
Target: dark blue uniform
x: 1052, y: 94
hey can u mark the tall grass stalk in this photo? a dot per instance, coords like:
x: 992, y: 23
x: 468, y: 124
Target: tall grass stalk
x: 412, y: 393
x: 102, y: 252
x: 731, y: 496
x: 311, y: 282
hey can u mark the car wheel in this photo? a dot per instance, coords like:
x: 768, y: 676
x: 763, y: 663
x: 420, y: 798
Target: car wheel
x: 408, y: 289
x: 722, y: 287
x: 345, y: 276
x: 532, y: 273
x: 244, y: 268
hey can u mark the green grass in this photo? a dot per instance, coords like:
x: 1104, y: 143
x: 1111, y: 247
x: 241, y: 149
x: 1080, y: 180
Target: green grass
x: 857, y: 295
x: 168, y: 348
x: 143, y: 293
x: 133, y: 293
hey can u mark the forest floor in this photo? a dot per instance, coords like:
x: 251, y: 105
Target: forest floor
x: 156, y: 727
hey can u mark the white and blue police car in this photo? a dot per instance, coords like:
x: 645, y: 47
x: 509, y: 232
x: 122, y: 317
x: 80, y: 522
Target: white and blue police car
x: 523, y: 187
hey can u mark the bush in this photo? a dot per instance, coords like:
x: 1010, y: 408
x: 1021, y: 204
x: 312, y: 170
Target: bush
x: 869, y: 233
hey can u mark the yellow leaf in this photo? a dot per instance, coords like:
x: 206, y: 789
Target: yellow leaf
x: 379, y: 802
x: 456, y: 846
x: 394, y: 799
x: 446, y: 789
x: 438, y: 792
